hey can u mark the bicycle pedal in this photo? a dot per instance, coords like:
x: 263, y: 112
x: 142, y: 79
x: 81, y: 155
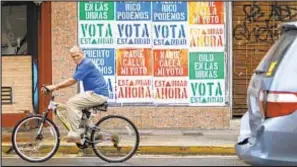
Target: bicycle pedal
x: 82, y: 146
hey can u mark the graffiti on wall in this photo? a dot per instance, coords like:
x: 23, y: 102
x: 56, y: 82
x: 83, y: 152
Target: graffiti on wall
x: 263, y: 26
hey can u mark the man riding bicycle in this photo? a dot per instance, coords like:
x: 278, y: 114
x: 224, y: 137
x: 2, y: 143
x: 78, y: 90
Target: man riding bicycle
x: 96, y: 91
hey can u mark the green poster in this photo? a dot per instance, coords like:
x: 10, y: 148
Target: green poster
x: 207, y: 78
x: 207, y: 92
x: 206, y: 65
x: 96, y: 10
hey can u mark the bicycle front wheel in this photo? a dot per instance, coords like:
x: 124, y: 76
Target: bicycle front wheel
x: 116, y: 139
x: 33, y: 147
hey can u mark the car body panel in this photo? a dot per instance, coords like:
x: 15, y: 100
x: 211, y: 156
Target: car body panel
x: 271, y: 141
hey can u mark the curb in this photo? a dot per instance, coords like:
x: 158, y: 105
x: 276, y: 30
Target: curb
x: 173, y: 150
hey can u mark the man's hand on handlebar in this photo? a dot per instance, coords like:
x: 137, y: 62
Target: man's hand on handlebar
x: 47, y: 89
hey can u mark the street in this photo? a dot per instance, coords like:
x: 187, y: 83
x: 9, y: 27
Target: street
x: 139, y: 160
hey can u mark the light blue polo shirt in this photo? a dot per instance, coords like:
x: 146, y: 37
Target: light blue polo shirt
x: 92, y: 78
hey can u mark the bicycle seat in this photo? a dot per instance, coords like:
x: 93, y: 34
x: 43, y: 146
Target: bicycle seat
x: 101, y: 107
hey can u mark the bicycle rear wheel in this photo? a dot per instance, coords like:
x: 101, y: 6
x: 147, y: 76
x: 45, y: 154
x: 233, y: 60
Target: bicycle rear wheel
x: 31, y: 147
x: 116, y: 139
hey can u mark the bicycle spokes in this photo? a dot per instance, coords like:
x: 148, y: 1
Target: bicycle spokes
x: 116, y: 140
x: 36, y: 143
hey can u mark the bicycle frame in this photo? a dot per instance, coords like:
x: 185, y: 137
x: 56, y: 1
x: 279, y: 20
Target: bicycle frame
x: 62, y: 119
x: 54, y: 107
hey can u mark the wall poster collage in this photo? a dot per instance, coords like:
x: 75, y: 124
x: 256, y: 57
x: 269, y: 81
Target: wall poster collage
x: 157, y: 52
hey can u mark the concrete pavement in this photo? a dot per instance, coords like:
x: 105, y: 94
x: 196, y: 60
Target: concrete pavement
x: 162, y: 141
x: 137, y: 160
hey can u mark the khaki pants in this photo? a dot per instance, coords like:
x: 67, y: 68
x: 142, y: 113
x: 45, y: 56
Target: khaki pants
x: 76, y: 104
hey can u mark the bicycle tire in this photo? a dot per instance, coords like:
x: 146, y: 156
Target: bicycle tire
x: 50, y: 155
x: 136, y: 144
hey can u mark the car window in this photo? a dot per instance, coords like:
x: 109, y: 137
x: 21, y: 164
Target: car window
x: 285, y: 78
x: 272, y: 59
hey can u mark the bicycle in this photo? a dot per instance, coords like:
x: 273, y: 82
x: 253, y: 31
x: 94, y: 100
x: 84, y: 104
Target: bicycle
x: 97, y: 134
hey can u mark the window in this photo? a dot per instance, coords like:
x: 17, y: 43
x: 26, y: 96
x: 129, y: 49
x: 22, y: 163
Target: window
x: 285, y: 78
x: 14, y: 28
x: 273, y: 57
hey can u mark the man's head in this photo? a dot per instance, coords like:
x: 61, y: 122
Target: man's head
x: 76, y: 54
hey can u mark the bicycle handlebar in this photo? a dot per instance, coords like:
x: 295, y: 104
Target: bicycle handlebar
x: 48, y: 92
x: 46, y: 89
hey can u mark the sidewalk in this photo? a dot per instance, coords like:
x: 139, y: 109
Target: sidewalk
x: 156, y: 141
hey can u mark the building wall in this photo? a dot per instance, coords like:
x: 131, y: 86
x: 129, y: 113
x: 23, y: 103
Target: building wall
x: 255, y: 28
x: 17, y: 73
x: 64, y: 35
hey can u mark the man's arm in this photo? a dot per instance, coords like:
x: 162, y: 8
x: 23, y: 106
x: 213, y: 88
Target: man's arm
x: 68, y: 82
